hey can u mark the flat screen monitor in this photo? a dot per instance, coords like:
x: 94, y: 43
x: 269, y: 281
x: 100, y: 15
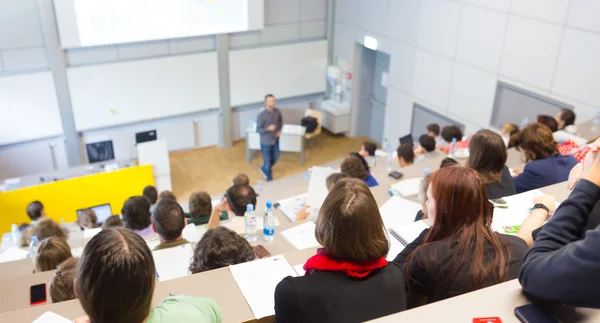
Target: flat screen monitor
x: 100, y: 151
x: 103, y: 212
x: 408, y: 139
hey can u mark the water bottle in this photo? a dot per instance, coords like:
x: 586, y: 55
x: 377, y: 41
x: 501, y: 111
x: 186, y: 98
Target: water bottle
x: 269, y: 223
x: 524, y: 122
x: 596, y: 122
x: 15, y: 234
x: 425, y: 173
x: 250, y: 223
x: 452, y: 151
x: 259, y: 187
x: 33, y: 248
x: 390, y: 154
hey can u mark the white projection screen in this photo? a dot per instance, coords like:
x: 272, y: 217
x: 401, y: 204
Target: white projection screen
x: 83, y: 23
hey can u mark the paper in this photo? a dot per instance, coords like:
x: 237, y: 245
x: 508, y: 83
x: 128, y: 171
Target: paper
x: 398, y: 211
x: 299, y: 269
x: 301, y: 236
x: 401, y: 236
x: 238, y: 225
x: 292, y: 205
x: 193, y: 233
x: 152, y: 243
x: 407, y: 187
x: 90, y: 233
x: 395, y: 248
x: 514, y: 211
x: 173, y: 262
x: 51, y: 317
x: 257, y: 281
x: 317, y: 188
x: 13, y: 254
x: 76, y: 252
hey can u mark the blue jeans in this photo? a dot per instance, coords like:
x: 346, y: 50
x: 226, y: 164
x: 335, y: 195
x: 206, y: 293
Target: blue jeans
x: 270, y: 157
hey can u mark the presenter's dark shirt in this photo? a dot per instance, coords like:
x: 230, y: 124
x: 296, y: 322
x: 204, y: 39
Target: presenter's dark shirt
x: 264, y: 120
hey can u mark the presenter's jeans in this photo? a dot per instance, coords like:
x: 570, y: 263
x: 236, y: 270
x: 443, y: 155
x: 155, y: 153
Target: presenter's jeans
x: 270, y: 156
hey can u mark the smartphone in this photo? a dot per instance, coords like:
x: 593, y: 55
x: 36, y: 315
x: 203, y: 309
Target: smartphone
x: 396, y: 175
x: 261, y: 252
x: 38, y: 294
x: 534, y: 313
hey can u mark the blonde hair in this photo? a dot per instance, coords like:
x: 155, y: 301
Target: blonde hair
x: 51, y: 253
x: 61, y: 286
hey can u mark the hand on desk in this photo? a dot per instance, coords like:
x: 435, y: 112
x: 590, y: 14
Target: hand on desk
x: 271, y: 127
x: 547, y: 200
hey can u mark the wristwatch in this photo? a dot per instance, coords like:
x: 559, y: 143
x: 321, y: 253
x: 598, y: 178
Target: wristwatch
x: 541, y: 206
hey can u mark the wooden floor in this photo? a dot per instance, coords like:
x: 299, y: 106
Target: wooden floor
x: 212, y: 169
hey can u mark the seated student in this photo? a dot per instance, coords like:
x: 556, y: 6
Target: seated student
x: 241, y: 179
x: 235, y: 201
x: 448, y: 162
x: 167, y: 195
x: 349, y: 279
x: 354, y: 168
x: 87, y: 219
x: 330, y: 183
x: 125, y: 296
x: 426, y: 149
x: 48, y: 228
x: 112, y: 222
x: 454, y: 132
x: 548, y: 121
x: 136, y: 216
x: 368, y: 149
x: 487, y: 155
x: 362, y: 160
x: 433, y: 131
x: 61, y: 286
x: 564, y: 262
x: 200, y: 205
x: 545, y: 166
x: 151, y: 194
x: 168, y: 221
x: 564, y: 118
x: 51, y: 253
x: 406, y: 155
x: 220, y: 247
x: 460, y: 253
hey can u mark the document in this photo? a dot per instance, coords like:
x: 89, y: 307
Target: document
x: 292, y: 205
x: 90, y: 233
x: 257, y: 281
x: 317, y: 188
x: 398, y: 211
x: 173, y: 262
x: 407, y: 187
x: 511, y: 211
x: 51, y: 317
x: 13, y: 254
x: 152, y: 243
x: 194, y: 233
x: 301, y: 236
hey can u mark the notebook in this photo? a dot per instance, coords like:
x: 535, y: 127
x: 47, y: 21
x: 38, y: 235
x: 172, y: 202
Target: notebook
x: 398, y: 211
x: 406, y: 187
x: 511, y: 211
x: 403, y: 235
x: 301, y: 236
x: 292, y: 205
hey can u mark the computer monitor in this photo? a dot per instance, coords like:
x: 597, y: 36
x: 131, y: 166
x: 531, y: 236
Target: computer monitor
x: 103, y: 212
x: 145, y: 136
x: 100, y: 151
x: 408, y: 139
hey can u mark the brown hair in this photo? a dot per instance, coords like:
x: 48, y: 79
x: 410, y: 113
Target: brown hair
x: 354, y: 168
x: 549, y: 121
x: 88, y: 219
x: 51, y: 253
x: 487, y: 155
x: 150, y: 193
x: 536, y: 141
x: 434, y: 128
x: 61, y: 286
x: 349, y: 225
x: 48, y: 228
x: 200, y: 205
x: 116, y: 277
x: 168, y: 219
x: 452, y: 132
x: 333, y: 179
x: 112, y: 222
x: 34, y: 210
x: 167, y: 195
x: 136, y: 213
x: 464, y: 217
x: 241, y: 179
x: 220, y: 247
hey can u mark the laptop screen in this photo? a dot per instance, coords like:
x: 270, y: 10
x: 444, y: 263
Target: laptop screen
x: 408, y: 139
x: 103, y: 212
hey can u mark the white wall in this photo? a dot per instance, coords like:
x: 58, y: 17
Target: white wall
x: 449, y: 55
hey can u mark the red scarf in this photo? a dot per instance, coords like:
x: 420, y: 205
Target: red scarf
x: 324, y: 262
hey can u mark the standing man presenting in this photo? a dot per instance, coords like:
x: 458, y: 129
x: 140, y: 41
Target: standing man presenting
x: 269, y: 123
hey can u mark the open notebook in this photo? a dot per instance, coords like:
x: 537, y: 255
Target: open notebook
x: 402, y: 236
x: 398, y: 211
x: 511, y: 211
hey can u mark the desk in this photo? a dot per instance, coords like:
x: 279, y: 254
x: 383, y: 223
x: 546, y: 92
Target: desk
x: 291, y: 140
x: 15, y: 292
x: 499, y: 300
x: 584, y: 130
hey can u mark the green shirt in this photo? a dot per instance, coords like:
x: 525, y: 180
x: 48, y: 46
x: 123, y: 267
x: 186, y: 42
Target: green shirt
x: 166, y: 245
x: 204, y: 219
x: 185, y: 309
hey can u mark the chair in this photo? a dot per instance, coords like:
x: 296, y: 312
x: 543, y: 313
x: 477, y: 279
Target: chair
x: 317, y: 115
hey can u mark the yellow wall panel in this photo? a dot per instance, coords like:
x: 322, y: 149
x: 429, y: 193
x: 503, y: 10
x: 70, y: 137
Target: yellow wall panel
x: 63, y: 198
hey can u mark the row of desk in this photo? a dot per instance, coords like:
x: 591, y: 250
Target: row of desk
x: 499, y: 300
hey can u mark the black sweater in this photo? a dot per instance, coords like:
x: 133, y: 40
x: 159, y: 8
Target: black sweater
x: 504, y: 187
x: 427, y: 273
x: 325, y: 296
x: 564, y: 262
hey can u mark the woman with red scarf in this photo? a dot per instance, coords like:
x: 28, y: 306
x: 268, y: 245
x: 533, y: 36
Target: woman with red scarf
x: 349, y: 279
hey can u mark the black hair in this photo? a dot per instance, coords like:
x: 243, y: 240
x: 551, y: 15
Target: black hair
x: 362, y: 160
x: 447, y: 162
x: 239, y: 196
x: 568, y: 116
x: 452, y: 132
x: 136, y: 213
x: 370, y: 147
x: 168, y: 219
x: 434, y: 128
x: 150, y: 193
x: 427, y: 142
x: 406, y: 152
x: 269, y: 96
x: 34, y: 210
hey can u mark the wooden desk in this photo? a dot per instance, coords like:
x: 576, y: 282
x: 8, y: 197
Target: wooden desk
x: 15, y: 292
x: 584, y: 130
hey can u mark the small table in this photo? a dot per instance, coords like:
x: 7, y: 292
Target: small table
x: 291, y: 140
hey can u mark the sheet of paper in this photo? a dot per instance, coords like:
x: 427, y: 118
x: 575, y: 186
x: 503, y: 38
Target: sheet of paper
x: 398, y: 211
x: 257, y: 281
x: 76, y: 252
x: 90, y: 233
x: 193, y: 233
x: 299, y: 269
x: 317, y: 188
x: 13, y: 254
x: 407, y: 187
x: 395, y: 248
x: 237, y: 223
x: 301, y: 236
x: 291, y: 205
x: 51, y: 317
x: 173, y: 262
x: 410, y: 232
x: 516, y: 210
x: 152, y: 243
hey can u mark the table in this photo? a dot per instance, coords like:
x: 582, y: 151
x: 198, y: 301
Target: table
x: 291, y: 140
x: 15, y: 292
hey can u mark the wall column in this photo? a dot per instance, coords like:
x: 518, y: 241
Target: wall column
x: 225, y: 115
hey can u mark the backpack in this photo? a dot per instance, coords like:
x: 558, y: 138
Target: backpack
x: 310, y: 123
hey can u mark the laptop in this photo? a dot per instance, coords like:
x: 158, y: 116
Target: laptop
x: 408, y: 139
x: 103, y: 212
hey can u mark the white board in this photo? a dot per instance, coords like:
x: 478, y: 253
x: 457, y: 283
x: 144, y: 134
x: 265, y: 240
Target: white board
x: 126, y: 92
x: 285, y: 71
x: 29, y: 108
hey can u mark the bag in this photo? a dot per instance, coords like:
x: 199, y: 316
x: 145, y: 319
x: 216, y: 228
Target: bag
x: 310, y: 123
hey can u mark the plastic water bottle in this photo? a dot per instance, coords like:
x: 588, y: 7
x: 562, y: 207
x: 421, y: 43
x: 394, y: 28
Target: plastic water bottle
x: 524, y: 122
x: 15, y: 234
x: 250, y: 223
x: 390, y: 154
x: 33, y: 248
x: 259, y: 187
x: 269, y: 223
x: 596, y: 122
x: 452, y: 151
x: 426, y: 172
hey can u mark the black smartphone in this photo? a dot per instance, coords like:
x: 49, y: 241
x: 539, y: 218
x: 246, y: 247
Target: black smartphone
x: 534, y: 313
x: 396, y: 175
x: 38, y: 294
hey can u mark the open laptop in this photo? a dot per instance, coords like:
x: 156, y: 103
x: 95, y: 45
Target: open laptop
x: 103, y: 212
x: 408, y: 139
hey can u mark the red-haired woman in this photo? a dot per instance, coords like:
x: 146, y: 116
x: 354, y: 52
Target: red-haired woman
x: 460, y: 252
